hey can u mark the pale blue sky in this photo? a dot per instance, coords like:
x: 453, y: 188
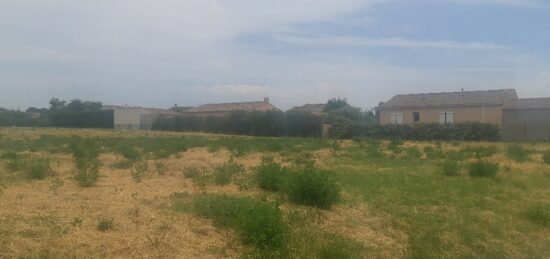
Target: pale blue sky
x: 160, y: 52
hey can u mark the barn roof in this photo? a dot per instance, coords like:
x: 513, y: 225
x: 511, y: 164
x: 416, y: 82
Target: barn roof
x: 469, y: 98
x: 527, y: 104
x: 229, y: 107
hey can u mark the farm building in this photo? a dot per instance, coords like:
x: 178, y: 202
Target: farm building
x: 447, y: 108
x: 224, y: 109
x: 138, y: 118
x: 526, y: 119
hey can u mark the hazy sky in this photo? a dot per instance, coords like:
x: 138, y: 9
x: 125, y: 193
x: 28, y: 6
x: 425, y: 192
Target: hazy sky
x: 160, y: 52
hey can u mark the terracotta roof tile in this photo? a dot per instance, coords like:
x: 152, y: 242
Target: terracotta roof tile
x: 228, y: 107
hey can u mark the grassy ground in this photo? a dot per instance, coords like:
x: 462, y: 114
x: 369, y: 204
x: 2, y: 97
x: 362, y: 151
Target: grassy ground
x: 175, y: 195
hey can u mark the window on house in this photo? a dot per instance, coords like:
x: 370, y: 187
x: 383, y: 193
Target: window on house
x: 416, y: 116
x: 446, y: 117
x: 396, y: 118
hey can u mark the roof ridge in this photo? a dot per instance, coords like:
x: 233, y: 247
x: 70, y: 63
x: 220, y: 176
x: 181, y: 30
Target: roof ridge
x: 458, y: 92
x: 233, y: 103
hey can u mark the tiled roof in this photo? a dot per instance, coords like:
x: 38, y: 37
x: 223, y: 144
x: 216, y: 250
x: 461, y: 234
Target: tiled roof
x: 313, y: 108
x: 472, y: 98
x: 229, y: 107
x: 526, y: 104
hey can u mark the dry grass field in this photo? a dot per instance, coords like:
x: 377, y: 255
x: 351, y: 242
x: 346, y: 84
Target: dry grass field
x: 181, y: 195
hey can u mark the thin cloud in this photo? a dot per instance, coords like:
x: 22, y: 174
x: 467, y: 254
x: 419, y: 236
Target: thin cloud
x: 386, y: 42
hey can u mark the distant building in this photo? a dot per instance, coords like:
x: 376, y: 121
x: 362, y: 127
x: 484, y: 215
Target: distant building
x: 447, y: 108
x: 311, y: 108
x: 224, y: 109
x: 138, y: 118
x: 526, y: 119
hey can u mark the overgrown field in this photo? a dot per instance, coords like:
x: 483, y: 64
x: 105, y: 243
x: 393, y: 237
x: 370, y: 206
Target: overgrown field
x: 100, y: 193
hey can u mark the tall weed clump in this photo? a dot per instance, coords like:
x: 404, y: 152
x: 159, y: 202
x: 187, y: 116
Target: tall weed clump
x: 270, y: 175
x: 546, y: 157
x: 87, y: 164
x: 450, y: 168
x: 308, y: 185
x: 38, y: 169
x: 257, y: 223
x: 483, y: 168
x: 539, y: 214
x: 223, y: 174
x: 518, y: 153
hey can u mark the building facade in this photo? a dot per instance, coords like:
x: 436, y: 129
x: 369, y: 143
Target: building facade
x: 137, y: 118
x: 446, y: 108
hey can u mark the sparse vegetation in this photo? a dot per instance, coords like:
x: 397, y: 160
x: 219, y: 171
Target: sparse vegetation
x: 518, y: 153
x: 105, y: 224
x: 258, y: 223
x: 225, y: 172
x: 483, y: 168
x: 539, y: 214
x: 140, y: 170
x: 313, y: 187
x: 361, y: 199
x: 38, y: 168
x: 85, y: 154
x: 270, y: 175
x: 546, y: 157
x: 450, y: 168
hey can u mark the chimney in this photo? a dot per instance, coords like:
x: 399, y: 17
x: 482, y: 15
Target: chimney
x: 463, y: 90
x: 266, y: 99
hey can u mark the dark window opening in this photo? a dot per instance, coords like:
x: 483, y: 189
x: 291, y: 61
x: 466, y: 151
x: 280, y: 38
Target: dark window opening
x: 416, y: 116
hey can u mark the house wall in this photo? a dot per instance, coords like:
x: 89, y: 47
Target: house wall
x: 483, y: 114
x: 531, y: 125
x: 129, y: 119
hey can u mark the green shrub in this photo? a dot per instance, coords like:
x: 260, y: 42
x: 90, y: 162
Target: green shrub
x: 258, y: 223
x: 87, y: 164
x: 105, y: 224
x: 16, y: 164
x: 539, y: 214
x: 546, y: 157
x: 140, y: 171
x: 483, y: 168
x: 450, y: 168
x: 518, y: 153
x: 225, y: 172
x: 270, y: 175
x: 413, y: 152
x: 191, y: 172
x: 38, y: 169
x: 130, y: 153
x: 336, y: 247
x: 434, y: 153
x: 161, y: 167
x: 480, y: 152
x: 312, y: 187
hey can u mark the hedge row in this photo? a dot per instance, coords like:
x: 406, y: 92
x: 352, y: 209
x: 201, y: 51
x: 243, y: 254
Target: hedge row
x: 82, y: 119
x: 465, y: 131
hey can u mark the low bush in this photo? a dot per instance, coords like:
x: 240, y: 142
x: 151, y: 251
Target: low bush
x: 312, y: 187
x: 546, y: 157
x: 483, y: 168
x: 140, y: 171
x: 434, y: 153
x: 258, y: 223
x: 480, y: 152
x: 87, y: 164
x: 518, y: 153
x: 191, y: 172
x: 105, y: 224
x: 270, y: 175
x: 450, y: 168
x: 224, y: 173
x: 38, y: 169
x: 130, y: 153
x: 539, y: 214
x: 413, y: 152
